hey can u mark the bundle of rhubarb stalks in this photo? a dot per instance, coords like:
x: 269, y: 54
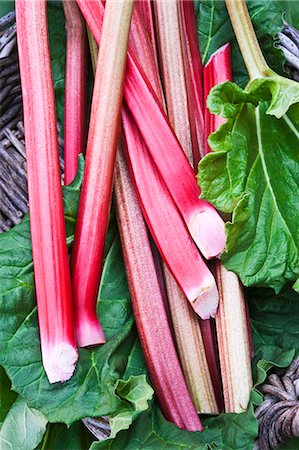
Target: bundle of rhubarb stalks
x: 147, y: 132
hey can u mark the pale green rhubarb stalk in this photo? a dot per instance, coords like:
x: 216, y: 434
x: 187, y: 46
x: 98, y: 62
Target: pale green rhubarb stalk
x: 232, y: 325
x: 95, y: 199
x: 186, y: 325
x: 48, y: 235
x: 248, y: 43
x: 148, y: 301
x: 75, y: 89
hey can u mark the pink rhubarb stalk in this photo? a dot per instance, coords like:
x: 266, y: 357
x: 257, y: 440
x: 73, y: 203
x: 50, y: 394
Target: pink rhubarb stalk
x: 75, y: 89
x: 94, y: 207
x: 186, y: 326
x: 160, y: 212
x: 233, y: 329
x: 50, y: 256
x: 203, y: 222
x: 149, y: 309
x: 217, y: 70
x: 193, y: 77
x: 149, y: 304
x: 145, y: 12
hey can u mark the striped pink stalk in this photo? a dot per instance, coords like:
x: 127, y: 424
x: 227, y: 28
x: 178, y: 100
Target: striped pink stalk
x: 75, y: 89
x: 48, y: 235
x: 160, y: 212
x: 149, y: 309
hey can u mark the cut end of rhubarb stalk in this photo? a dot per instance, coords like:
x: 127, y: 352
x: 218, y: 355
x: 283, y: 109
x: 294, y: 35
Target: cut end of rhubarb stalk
x: 60, y: 362
x: 206, y: 304
x: 208, y: 232
x: 89, y: 333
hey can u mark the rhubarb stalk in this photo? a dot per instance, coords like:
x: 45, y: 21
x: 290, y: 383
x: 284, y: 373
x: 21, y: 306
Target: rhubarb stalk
x: 48, y: 235
x: 94, y: 206
x: 75, y: 89
x: 217, y: 70
x: 160, y: 212
x: 148, y: 302
x: 233, y: 329
x: 149, y: 309
x: 248, y: 43
x: 186, y: 325
x: 203, y: 222
x: 173, y: 73
x: 193, y: 77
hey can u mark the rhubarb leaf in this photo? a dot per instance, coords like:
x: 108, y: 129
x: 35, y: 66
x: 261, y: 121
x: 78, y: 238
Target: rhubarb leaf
x: 7, y: 396
x: 91, y: 391
x: 23, y: 427
x: 253, y: 173
x: 214, y: 30
x: 135, y: 394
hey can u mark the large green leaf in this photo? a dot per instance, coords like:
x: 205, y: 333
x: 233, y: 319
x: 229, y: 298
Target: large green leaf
x: 23, y: 427
x: 92, y: 389
x: 214, y: 30
x: 253, y: 173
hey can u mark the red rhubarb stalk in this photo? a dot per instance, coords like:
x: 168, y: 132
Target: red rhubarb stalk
x: 94, y: 207
x: 145, y: 12
x: 203, y: 222
x: 186, y: 326
x: 217, y: 70
x: 75, y: 89
x: 193, y: 77
x: 140, y: 44
x: 50, y: 256
x: 163, y: 219
x: 232, y: 325
x: 149, y: 309
x: 149, y: 304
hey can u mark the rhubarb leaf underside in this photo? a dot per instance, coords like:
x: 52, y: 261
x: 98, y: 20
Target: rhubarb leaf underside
x: 23, y: 427
x: 92, y: 391
x: 253, y: 174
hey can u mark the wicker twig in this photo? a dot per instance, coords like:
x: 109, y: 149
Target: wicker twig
x: 278, y: 416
